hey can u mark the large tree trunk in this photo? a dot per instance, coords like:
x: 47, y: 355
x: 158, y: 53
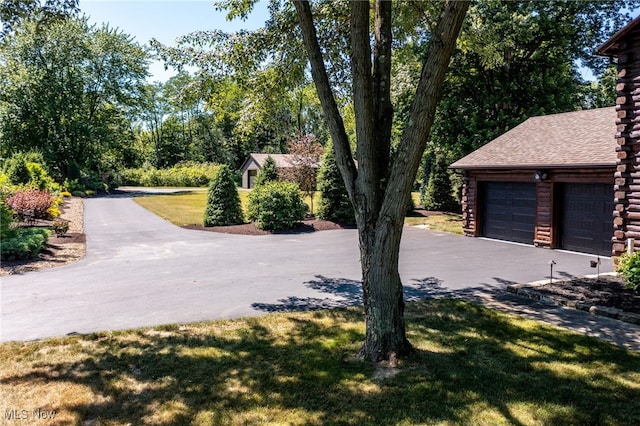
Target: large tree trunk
x: 382, y: 293
x: 379, y: 188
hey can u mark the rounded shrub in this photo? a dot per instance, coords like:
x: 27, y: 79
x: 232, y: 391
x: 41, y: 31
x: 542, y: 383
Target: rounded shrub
x: 276, y: 205
x: 223, y: 202
x: 629, y: 268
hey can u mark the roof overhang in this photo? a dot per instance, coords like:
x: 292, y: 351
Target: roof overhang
x: 534, y: 166
x: 610, y: 47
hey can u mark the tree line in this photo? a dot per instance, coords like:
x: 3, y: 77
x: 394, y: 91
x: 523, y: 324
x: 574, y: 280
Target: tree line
x: 78, y: 93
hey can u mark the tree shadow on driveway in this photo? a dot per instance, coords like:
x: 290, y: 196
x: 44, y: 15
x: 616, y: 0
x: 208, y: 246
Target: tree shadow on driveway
x: 343, y: 292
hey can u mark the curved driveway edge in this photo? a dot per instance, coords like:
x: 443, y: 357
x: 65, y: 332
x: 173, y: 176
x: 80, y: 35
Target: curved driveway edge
x: 140, y: 270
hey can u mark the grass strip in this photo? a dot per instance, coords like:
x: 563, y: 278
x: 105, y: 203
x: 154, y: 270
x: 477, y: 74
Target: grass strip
x: 472, y: 366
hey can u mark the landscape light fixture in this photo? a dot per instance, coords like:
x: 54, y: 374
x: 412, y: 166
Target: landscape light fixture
x: 551, y: 263
x: 596, y: 264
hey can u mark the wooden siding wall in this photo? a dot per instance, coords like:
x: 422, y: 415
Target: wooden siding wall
x: 546, y: 234
x: 627, y: 177
x: 469, y: 206
x: 544, y: 215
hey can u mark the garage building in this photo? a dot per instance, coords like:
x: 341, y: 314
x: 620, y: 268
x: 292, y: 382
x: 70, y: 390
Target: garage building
x: 548, y: 182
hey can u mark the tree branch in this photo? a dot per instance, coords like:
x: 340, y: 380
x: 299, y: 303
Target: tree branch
x: 423, y: 109
x: 382, y: 86
x: 344, y: 156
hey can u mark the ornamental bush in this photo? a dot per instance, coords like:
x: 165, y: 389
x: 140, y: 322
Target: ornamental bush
x: 31, y: 204
x: 223, y: 202
x: 26, y: 244
x: 629, y: 268
x: 276, y: 205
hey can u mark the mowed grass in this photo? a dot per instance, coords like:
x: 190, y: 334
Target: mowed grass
x: 187, y: 208
x: 472, y: 366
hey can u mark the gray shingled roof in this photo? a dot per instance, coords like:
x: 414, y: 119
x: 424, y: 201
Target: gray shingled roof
x: 571, y: 139
x: 282, y: 160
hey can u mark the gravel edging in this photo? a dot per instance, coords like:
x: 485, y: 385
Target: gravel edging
x: 529, y: 291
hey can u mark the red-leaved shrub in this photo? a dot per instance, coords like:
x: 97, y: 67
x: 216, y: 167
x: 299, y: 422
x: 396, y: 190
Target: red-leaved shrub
x: 31, y: 204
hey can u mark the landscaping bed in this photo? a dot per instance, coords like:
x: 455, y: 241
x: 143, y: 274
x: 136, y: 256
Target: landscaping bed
x: 306, y: 226
x: 605, y: 295
x: 59, y: 250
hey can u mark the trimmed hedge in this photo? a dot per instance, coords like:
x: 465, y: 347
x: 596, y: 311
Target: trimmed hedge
x: 186, y: 174
x: 223, y: 202
x: 276, y: 206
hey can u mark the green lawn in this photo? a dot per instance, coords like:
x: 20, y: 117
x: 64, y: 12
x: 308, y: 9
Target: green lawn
x: 472, y: 366
x: 187, y: 208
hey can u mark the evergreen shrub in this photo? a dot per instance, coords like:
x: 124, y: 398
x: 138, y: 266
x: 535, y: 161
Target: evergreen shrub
x: 439, y: 194
x: 334, y: 202
x: 268, y: 172
x: 276, y: 205
x: 223, y: 202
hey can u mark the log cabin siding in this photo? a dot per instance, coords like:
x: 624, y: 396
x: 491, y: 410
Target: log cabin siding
x: 626, y: 222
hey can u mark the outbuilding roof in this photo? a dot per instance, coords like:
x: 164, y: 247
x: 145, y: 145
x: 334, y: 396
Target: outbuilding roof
x: 567, y: 140
x: 281, y: 160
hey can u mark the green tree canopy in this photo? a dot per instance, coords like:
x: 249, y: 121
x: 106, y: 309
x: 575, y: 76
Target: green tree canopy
x: 67, y: 91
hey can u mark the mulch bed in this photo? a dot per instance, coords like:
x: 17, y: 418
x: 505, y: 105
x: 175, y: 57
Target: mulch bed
x: 305, y: 227
x: 609, y: 291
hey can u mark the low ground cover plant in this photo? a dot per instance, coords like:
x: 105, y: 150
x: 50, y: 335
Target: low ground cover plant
x: 25, y: 243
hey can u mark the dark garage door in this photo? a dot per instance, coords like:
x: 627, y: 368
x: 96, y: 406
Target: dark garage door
x: 510, y: 209
x: 587, y: 218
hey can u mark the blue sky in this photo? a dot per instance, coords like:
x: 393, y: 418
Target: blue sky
x: 165, y: 20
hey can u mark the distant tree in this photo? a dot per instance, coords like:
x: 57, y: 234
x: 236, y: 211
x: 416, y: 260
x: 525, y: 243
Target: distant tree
x: 268, y: 172
x: 223, y: 202
x: 602, y: 93
x: 334, y: 201
x: 13, y: 12
x: 65, y: 90
x: 304, y: 160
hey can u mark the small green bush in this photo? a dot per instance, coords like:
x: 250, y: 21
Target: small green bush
x: 276, y: 206
x: 223, y: 202
x: 629, y: 268
x: 26, y: 244
x: 7, y: 217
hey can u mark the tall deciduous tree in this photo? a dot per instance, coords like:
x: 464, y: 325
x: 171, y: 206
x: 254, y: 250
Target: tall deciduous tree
x: 521, y: 59
x: 64, y: 91
x: 380, y: 187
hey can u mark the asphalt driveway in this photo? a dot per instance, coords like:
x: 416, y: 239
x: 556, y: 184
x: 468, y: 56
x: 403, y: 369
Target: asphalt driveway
x: 141, y: 271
